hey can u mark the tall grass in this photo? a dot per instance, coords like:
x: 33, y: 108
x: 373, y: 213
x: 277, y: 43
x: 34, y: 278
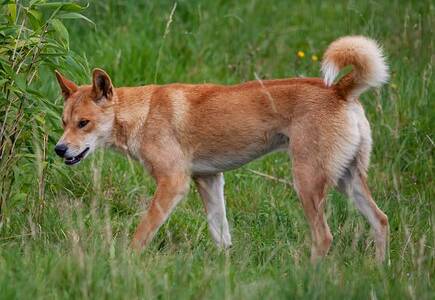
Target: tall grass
x: 77, y: 247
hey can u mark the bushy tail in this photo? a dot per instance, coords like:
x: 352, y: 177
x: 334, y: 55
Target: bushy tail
x: 366, y: 58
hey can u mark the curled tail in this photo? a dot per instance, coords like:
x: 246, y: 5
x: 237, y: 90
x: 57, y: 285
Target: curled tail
x: 366, y: 58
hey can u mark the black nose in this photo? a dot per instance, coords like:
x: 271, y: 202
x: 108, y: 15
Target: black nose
x: 60, y: 149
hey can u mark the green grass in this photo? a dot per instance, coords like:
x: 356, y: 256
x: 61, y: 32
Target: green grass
x: 73, y: 241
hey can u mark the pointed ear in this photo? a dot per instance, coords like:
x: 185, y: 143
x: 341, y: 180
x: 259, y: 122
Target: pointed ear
x: 101, y: 85
x: 67, y: 86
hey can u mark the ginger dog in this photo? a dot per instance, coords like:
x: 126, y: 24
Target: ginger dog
x: 183, y: 131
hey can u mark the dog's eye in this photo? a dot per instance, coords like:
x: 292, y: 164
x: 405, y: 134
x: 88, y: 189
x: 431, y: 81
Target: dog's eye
x: 83, y: 123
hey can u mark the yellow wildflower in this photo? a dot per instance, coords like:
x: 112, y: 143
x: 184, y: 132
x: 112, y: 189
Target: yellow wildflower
x: 314, y: 57
x: 301, y: 54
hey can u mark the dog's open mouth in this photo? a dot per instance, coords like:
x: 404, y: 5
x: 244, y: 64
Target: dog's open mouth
x: 76, y: 159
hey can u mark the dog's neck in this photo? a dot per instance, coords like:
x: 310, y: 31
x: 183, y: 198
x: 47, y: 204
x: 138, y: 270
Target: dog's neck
x: 131, y: 105
x: 119, y: 136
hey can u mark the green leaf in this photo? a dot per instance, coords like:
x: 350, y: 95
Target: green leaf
x: 62, y: 6
x: 54, y: 45
x: 4, y: 2
x: 34, y: 2
x: 61, y: 30
x: 8, y: 30
x: 34, y: 92
x: 20, y: 82
x: 73, y: 15
x: 40, y: 119
x: 36, y: 14
x: 35, y: 18
x: 3, y: 50
x: 43, y: 54
x: 18, y: 197
x: 343, y: 72
x: 15, y: 90
x: 12, y: 10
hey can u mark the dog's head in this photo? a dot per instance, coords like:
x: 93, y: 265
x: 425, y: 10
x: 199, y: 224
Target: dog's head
x: 87, y: 117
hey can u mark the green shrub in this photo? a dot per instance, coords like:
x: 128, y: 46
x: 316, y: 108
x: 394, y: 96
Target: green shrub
x: 32, y: 36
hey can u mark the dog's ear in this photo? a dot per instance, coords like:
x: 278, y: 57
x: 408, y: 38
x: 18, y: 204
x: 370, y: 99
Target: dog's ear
x: 67, y: 86
x: 101, y: 85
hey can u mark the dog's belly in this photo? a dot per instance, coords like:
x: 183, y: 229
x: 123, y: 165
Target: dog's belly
x: 229, y: 160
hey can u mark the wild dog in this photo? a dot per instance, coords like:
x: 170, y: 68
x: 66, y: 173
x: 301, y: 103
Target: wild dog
x: 181, y: 132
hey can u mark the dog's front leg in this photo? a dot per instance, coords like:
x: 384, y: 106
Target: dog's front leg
x: 211, y: 189
x: 170, y: 190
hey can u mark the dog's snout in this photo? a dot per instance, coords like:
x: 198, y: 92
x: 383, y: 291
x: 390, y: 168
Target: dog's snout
x: 60, y: 149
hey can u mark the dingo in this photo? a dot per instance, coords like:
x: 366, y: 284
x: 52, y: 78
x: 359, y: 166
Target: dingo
x: 183, y: 131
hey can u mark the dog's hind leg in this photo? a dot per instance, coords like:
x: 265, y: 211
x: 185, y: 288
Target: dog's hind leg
x: 354, y: 185
x: 211, y: 190
x: 311, y: 187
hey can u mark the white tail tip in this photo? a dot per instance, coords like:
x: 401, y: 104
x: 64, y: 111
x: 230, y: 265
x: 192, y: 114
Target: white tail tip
x: 364, y: 54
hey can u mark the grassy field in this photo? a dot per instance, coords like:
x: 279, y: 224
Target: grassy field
x: 71, y: 240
